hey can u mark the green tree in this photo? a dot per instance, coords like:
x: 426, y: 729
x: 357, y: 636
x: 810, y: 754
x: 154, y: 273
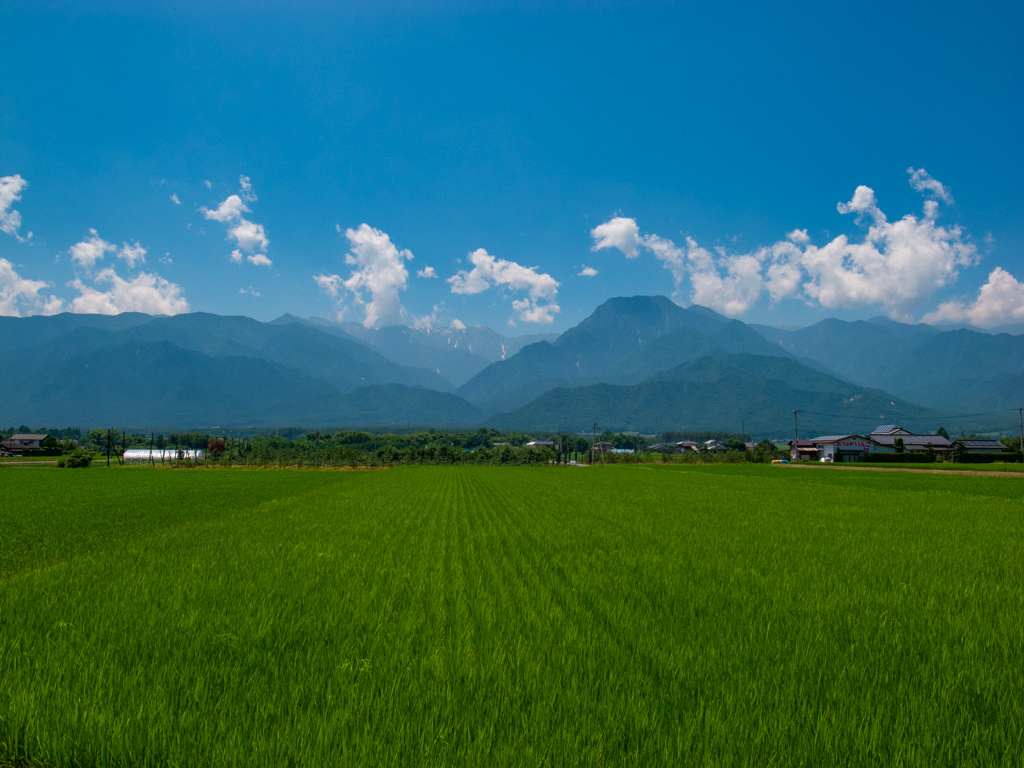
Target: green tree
x: 942, y: 431
x: 897, y: 445
x: 77, y: 460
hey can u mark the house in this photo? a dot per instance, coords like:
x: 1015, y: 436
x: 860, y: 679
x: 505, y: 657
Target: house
x: 715, y: 445
x: 602, y: 447
x: 842, y: 447
x: 803, y: 450
x: 662, y: 448
x: 17, y: 443
x: 540, y: 443
x: 885, y: 437
x: 981, y: 446
x: 687, y: 445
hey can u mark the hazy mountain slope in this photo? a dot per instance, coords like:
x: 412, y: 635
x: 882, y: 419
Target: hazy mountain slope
x: 455, y: 354
x: 161, y: 385
x: 688, y: 344
x: 956, y: 371
x: 397, y: 405
x: 341, y: 361
x: 719, y: 391
x: 445, y: 354
x: 20, y: 332
x: 961, y: 371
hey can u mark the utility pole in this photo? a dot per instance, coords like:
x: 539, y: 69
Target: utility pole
x: 1020, y: 415
x: 796, y: 435
x: 109, y: 440
x: 593, y: 449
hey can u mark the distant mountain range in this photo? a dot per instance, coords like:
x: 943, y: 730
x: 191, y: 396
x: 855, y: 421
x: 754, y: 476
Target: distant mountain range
x: 640, y: 363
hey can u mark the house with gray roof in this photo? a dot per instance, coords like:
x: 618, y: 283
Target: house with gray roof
x: 885, y: 437
x: 17, y: 443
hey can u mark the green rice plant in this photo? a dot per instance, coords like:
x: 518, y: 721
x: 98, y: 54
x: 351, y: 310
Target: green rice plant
x: 677, y: 615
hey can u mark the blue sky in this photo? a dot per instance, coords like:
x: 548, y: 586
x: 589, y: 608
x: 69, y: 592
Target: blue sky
x: 715, y: 146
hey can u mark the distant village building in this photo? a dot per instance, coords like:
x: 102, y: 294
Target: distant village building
x: 16, y: 444
x: 539, y: 443
x: 885, y: 438
x: 838, y: 448
x: 602, y: 447
x: 803, y: 450
x: 980, y: 446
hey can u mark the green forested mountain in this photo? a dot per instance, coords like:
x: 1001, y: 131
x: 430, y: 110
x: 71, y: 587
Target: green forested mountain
x: 754, y: 393
x: 624, y: 340
x: 639, y: 362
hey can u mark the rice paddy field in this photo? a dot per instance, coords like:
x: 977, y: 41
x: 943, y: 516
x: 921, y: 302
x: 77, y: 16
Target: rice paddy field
x: 463, y: 616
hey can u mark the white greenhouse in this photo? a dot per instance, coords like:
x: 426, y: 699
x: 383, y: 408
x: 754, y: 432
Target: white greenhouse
x: 157, y: 456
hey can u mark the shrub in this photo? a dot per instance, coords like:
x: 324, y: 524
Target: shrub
x: 77, y: 460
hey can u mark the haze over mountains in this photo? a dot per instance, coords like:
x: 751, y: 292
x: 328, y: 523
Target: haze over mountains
x: 638, y: 363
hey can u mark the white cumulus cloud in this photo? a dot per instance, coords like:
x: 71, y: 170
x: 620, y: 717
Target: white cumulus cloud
x: 897, y: 265
x: 246, y: 185
x: 921, y: 181
x: 87, y: 252
x: 378, y: 276
x: 132, y: 254
x: 426, y: 272
x: 248, y: 235
x: 10, y: 193
x: 232, y: 208
x: 539, y: 306
x: 621, y: 233
x: 586, y: 272
x: 174, y: 198
x: 146, y: 292
x: 1000, y: 300
x: 259, y: 259
x: 332, y: 285
x: 19, y: 295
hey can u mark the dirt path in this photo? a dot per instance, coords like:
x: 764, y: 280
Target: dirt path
x: 27, y: 463
x: 918, y: 471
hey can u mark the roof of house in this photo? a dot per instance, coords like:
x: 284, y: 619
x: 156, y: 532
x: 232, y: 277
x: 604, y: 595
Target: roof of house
x: 981, y: 444
x: 539, y: 442
x: 890, y: 429
x: 28, y: 436
x: 938, y: 441
x: 837, y: 438
x: 804, y: 445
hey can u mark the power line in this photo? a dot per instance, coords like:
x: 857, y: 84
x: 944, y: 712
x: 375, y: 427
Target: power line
x: 940, y: 417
